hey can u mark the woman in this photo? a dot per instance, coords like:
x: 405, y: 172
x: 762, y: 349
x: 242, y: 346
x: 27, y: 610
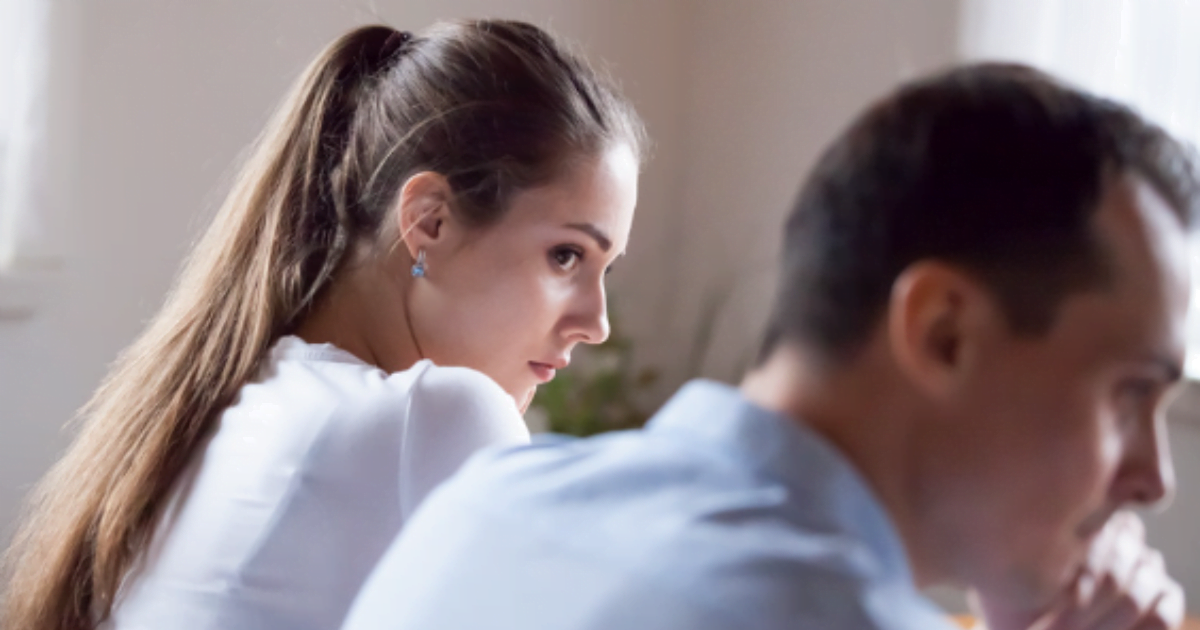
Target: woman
x: 449, y: 199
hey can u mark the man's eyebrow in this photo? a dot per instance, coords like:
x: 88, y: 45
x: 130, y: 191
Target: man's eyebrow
x: 587, y: 228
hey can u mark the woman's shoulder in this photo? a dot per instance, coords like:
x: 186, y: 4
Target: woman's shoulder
x: 462, y: 389
x: 464, y: 405
x: 325, y: 371
x: 454, y: 413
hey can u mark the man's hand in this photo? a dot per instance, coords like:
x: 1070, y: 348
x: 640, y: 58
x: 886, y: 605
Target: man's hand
x: 1123, y: 586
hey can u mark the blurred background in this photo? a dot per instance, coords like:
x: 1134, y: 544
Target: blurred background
x: 121, y: 122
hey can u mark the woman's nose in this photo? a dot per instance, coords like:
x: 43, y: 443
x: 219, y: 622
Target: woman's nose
x: 587, y: 321
x: 1148, y: 475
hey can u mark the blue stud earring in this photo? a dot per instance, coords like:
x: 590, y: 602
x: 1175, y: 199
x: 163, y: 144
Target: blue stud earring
x: 418, y: 268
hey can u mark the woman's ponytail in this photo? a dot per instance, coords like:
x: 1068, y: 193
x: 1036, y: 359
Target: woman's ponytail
x: 278, y: 238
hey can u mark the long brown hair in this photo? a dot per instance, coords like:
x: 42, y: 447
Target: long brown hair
x: 495, y: 106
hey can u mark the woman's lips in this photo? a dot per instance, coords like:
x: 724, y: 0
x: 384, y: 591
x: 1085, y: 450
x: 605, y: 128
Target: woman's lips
x: 543, y: 371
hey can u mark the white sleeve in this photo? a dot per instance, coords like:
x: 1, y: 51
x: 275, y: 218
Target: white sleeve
x: 453, y: 413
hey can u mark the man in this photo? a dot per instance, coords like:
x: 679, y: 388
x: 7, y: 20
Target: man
x: 979, y: 316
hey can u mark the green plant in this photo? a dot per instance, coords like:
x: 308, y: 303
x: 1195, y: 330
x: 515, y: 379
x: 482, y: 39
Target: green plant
x: 600, y: 391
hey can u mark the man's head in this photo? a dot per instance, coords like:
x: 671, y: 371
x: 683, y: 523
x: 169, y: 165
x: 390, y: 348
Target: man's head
x: 1016, y: 250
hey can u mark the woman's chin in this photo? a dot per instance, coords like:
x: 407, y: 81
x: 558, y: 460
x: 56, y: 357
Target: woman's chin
x: 525, y: 399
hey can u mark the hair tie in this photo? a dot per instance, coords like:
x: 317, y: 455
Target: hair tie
x: 396, y: 42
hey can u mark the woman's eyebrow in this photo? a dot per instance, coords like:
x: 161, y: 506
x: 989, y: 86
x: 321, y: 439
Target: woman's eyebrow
x: 587, y: 228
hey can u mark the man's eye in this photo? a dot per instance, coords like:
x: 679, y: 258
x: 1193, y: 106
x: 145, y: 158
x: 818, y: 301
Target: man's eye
x: 1140, y: 389
x: 566, y: 258
x: 1138, y: 397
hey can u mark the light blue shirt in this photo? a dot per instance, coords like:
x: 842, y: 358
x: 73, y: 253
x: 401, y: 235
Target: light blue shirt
x: 719, y: 515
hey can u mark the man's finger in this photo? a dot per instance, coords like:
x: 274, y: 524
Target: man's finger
x: 1168, y: 612
x: 1114, y: 569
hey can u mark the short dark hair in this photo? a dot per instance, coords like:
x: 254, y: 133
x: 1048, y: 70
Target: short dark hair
x: 997, y: 168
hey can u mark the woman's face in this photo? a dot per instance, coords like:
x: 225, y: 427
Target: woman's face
x: 513, y: 299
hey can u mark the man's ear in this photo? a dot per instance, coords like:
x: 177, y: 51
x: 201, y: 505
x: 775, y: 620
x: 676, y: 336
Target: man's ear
x: 424, y: 210
x: 935, y: 318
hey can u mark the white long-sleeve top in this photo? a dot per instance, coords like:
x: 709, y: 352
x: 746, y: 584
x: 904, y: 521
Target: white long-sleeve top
x: 309, y: 476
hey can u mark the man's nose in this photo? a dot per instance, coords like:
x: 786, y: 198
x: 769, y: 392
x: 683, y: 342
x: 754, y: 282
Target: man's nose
x: 1148, y: 474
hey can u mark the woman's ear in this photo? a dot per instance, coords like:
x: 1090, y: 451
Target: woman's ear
x: 424, y: 211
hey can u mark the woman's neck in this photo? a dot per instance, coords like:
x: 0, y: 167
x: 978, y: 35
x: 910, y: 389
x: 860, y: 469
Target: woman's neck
x: 362, y: 312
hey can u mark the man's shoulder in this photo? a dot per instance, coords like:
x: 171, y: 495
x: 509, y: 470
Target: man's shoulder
x: 638, y: 520
x: 637, y: 470
x: 666, y: 511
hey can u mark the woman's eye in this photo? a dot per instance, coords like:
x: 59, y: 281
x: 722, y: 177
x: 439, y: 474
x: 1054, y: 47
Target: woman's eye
x: 566, y: 258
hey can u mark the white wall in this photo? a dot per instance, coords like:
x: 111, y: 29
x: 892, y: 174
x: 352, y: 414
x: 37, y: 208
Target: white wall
x: 771, y: 82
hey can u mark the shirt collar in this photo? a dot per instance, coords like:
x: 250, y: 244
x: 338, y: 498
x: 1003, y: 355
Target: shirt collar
x: 823, y: 485
x: 293, y: 348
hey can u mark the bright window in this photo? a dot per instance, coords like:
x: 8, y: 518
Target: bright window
x: 23, y: 80
x: 25, y: 239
